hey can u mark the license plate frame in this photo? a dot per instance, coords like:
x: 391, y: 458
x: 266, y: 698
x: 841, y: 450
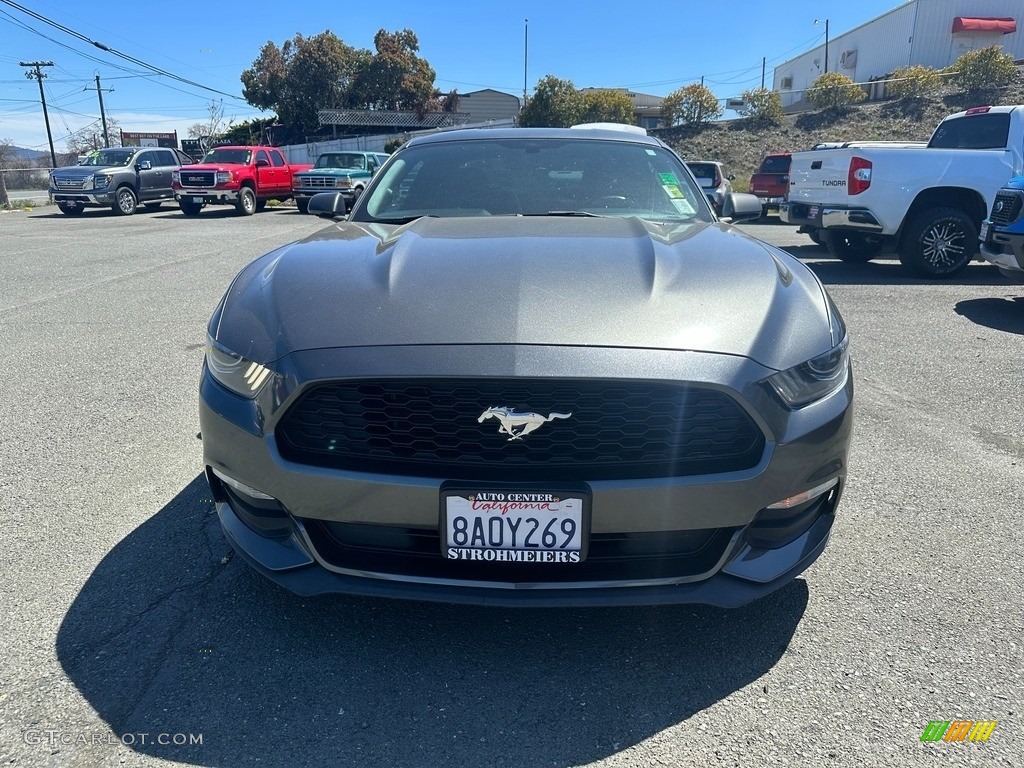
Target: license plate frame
x: 199, y: 200
x: 506, y: 503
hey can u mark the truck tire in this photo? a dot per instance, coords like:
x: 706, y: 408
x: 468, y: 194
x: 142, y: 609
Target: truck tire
x: 71, y: 209
x: 302, y: 205
x: 125, y: 201
x: 815, y: 235
x: 851, y: 247
x: 246, y: 205
x: 939, y: 243
x: 190, y: 209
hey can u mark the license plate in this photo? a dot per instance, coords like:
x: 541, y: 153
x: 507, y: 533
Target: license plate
x: 514, y: 526
x: 812, y: 212
x: 983, y: 232
x: 197, y: 199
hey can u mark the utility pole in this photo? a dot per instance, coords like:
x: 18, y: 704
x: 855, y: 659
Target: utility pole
x: 103, y: 114
x: 816, y: 21
x: 38, y: 75
x: 763, y: 62
x: 526, y: 54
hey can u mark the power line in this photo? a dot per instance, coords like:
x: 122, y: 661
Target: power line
x: 115, y: 52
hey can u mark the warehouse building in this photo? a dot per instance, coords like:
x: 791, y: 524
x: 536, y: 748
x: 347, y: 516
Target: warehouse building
x: 932, y: 33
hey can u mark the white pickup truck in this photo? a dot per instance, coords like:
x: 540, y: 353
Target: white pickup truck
x: 925, y: 202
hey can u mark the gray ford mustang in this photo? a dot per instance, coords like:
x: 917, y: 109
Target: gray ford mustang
x: 530, y: 367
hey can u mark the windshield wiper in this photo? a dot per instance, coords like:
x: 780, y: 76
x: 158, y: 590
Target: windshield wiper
x: 586, y: 214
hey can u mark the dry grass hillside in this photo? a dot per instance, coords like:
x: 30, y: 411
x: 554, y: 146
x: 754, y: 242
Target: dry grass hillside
x: 740, y: 146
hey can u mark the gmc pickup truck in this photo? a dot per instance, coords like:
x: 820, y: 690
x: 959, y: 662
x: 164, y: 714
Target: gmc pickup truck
x: 245, y: 177
x: 925, y: 203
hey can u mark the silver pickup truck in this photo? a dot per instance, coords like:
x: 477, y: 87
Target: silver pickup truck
x: 120, y: 178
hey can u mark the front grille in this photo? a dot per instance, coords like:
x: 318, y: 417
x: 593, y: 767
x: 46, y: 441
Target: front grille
x: 416, y: 552
x: 430, y: 428
x: 1006, y: 208
x: 317, y: 182
x: 68, y: 183
x: 198, y: 178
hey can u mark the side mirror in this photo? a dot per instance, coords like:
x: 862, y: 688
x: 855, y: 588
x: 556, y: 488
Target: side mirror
x: 331, y: 205
x: 731, y: 177
x: 145, y: 165
x: 739, y: 206
x: 261, y: 163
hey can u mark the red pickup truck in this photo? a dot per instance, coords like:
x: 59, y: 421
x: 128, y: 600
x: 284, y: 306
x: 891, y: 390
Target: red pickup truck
x: 770, y: 182
x: 245, y: 177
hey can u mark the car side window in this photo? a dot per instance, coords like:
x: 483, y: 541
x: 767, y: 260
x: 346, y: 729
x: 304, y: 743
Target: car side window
x: 277, y: 159
x: 165, y: 158
x: 143, y: 157
x: 262, y: 155
x: 371, y: 163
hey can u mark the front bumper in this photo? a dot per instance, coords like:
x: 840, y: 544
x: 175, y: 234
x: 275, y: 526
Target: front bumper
x: 829, y: 217
x: 102, y: 197
x: 206, y: 196
x: 288, y: 540
x: 1005, y: 249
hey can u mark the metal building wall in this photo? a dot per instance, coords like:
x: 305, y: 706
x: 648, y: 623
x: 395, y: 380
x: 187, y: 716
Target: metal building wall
x: 918, y: 32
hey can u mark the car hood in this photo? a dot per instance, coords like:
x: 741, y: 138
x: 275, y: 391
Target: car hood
x: 213, y: 166
x: 609, y: 282
x: 81, y: 171
x: 334, y: 171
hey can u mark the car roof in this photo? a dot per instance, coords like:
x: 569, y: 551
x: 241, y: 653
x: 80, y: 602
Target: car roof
x: 504, y: 134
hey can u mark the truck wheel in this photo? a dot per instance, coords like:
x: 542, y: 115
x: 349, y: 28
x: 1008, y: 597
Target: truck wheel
x: 71, y: 209
x: 190, y: 209
x: 939, y: 243
x: 126, y: 201
x: 815, y: 235
x: 302, y: 205
x: 246, y: 204
x: 852, y: 247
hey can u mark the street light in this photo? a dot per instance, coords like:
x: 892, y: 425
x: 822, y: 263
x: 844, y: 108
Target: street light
x: 816, y: 22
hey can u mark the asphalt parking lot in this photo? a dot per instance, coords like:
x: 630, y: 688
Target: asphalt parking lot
x: 133, y: 638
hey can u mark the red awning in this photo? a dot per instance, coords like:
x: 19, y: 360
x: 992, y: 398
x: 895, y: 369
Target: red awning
x: 968, y: 24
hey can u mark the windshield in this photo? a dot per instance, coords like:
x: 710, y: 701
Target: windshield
x: 341, y: 160
x: 229, y: 156
x: 104, y: 158
x: 534, y: 177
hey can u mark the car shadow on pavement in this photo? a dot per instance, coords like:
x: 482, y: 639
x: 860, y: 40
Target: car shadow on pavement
x: 170, y: 638
x: 886, y: 271
x: 1002, y: 314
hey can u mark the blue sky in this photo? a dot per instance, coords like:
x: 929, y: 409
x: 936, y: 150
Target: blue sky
x: 648, y: 47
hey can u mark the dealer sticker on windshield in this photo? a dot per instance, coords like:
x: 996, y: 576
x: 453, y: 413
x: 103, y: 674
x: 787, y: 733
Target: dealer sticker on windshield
x: 514, y: 526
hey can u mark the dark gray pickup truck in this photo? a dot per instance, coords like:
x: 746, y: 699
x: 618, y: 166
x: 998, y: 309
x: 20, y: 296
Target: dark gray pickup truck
x: 120, y: 178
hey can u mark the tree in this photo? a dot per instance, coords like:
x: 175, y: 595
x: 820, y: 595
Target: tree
x: 91, y: 137
x: 214, y: 125
x: 606, y: 106
x: 555, y: 104
x: 834, y: 91
x: 303, y: 76
x: 915, y: 82
x: 981, y: 70
x: 691, y: 105
x: 394, y: 77
x: 7, y: 156
x: 762, y: 106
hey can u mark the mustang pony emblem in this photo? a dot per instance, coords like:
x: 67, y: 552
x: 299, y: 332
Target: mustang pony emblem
x: 511, y: 419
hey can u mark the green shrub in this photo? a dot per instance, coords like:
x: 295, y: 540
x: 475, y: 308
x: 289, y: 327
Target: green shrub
x: 834, y: 91
x: 763, y: 106
x: 915, y: 82
x: 692, y: 105
x: 980, y: 70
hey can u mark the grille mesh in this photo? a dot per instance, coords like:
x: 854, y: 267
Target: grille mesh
x: 1006, y: 207
x: 430, y: 428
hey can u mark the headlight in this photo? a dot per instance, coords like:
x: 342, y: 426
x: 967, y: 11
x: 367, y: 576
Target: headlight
x: 223, y: 177
x: 343, y: 183
x: 813, y: 380
x: 175, y: 177
x: 241, y: 376
x: 100, y: 180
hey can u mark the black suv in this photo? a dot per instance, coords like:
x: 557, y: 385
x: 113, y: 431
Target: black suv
x: 120, y: 178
